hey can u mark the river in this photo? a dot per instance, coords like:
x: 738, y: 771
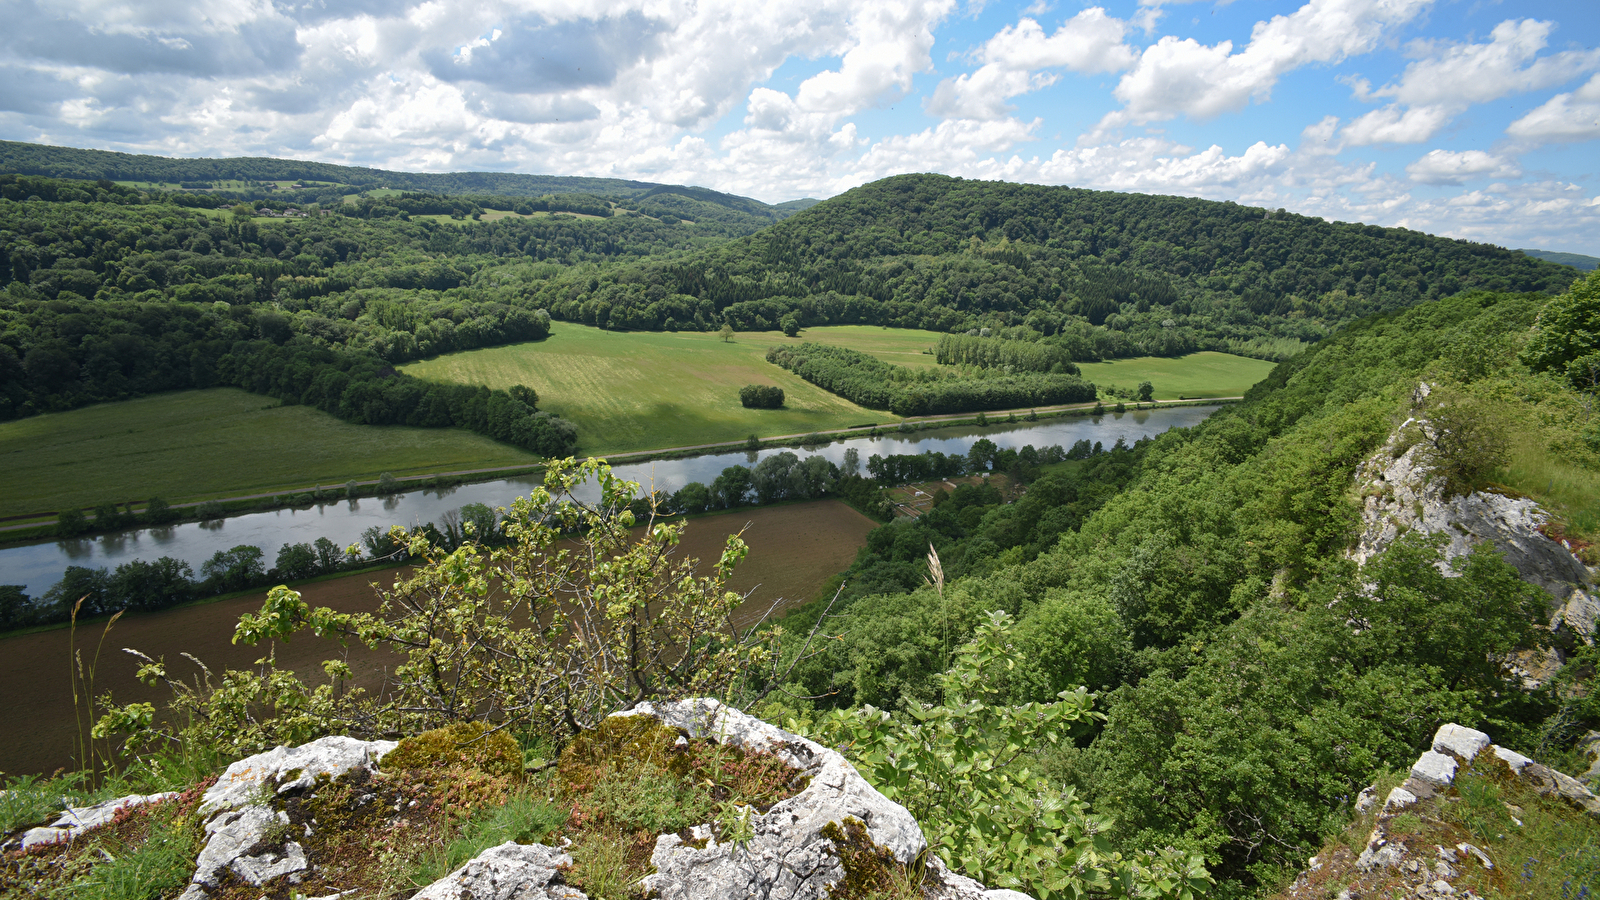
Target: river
x: 38, y: 566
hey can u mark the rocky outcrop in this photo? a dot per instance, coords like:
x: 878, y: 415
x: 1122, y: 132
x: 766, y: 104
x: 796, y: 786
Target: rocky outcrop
x: 837, y: 830
x: 241, y: 821
x: 78, y: 819
x: 803, y: 846
x: 1396, y: 863
x: 1401, y: 493
x: 510, y: 871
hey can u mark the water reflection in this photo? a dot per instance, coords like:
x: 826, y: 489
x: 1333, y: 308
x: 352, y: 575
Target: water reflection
x: 38, y: 566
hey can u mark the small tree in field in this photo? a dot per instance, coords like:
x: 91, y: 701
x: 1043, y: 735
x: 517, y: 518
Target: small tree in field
x: 1146, y: 392
x: 726, y: 332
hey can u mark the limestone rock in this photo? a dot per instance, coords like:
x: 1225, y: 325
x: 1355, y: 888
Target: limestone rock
x: 289, y: 768
x: 230, y: 836
x: 1402, y: 495
x: 78, y: 819
x: 788, y: 855
x: 510, y: 871
x: 1463, y: 743
x: 238, y: 834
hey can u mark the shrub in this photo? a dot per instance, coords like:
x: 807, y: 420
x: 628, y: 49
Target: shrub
x: 761, y: 396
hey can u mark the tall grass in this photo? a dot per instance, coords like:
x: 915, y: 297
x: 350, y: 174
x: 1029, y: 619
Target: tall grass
x: 1275, y: 349
x: 1570, y: 491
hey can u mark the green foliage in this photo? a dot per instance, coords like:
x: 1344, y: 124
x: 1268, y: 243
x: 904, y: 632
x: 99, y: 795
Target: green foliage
x: 523, y: 818
x: 1010, y: 355
x: 872, y: 383
x: 622, y: 620
x: 761, y: 396
x: 961, y: 768
x: 1568, y: 330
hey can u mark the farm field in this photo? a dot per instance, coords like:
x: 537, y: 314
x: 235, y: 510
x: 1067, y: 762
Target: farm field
x: 1203, y: 374
x: 192, y: 445
x: 648, y: 390
x: 794, y: 549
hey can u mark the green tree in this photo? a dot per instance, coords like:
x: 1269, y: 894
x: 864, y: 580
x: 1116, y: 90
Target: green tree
x: 1146, y: 392
x: 725, y: 332
x: 1568, y: 328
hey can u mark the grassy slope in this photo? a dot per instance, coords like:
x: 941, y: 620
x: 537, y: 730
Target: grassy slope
x: 645, y: 390
x: 220, y: 442
x: 1203, y: 374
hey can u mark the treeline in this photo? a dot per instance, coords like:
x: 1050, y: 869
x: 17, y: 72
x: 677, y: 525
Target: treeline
x: 1101, y: 274
x: 870, y: 382
x: 77, y: 351
x: 997, y: 353
x: 1198, y: 582
x: 140, y: 586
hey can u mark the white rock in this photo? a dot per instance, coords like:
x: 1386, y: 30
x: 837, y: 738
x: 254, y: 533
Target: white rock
x: 1512, y: 758
x: 269, y: 865
x: 1402, y: 494
x: 1435, y: 768
x: 231, y: 835
x: 1463, y: 742
x: 787, y: 856
x: 333, y: 756
x: 1399, y: 798
x: 510, y: 871
x: 78, y: 819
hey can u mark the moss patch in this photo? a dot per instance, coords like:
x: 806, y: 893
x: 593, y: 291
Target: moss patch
x: 473, y: 745
x: 870, y: 871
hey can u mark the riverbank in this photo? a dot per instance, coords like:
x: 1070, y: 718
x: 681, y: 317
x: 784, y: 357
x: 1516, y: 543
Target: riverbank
x: 42, y: 526
x: 795, y: 549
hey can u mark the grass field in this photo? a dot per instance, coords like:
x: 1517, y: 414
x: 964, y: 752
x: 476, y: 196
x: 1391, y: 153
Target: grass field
x: 1203, y: 374
x: 647, y: 390
x: 221, y: 442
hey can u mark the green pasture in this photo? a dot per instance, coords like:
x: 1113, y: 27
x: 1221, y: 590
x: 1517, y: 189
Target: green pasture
x: 1203, y: 374
x: 192, y: 445
x: 653, y: 390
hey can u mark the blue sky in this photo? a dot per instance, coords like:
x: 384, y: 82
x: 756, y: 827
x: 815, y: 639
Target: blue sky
x: 1473, y: 119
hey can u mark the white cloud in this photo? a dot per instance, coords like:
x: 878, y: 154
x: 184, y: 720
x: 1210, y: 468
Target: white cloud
x: 1451, y: 167
x: 1390, y: 125
x: 1450, y: 77
x: 1182, y: 77
x: 1563, y: 118
x: 1456, y: 75
x: 1089, y: 42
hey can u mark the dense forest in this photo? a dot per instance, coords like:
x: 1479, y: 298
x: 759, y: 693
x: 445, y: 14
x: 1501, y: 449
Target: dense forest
x: 1199, y: 584
x: 1101, y: 274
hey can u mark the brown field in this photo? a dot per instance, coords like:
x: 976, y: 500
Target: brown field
x: 794, y: 550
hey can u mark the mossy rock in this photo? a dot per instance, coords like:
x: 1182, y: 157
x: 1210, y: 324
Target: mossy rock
x: 468, y: 744
x: 620, y: 743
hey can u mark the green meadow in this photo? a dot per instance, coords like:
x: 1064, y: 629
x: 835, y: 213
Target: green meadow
x: 222, y: 442
x: 1203, y: 374
x: 650, y: 390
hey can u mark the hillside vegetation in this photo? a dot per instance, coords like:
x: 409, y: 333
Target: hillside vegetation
x: 1103, y: 274
x: 1198, y: 583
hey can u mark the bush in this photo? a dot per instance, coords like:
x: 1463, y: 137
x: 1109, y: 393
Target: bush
x: 71, y: 522
x: 761, y: 396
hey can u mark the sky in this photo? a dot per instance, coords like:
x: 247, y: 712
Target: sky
x: 1467, y: 118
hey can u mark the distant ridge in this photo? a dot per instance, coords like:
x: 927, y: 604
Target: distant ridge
x: 70, y: 162
x: 1575, y: 260
x: 797, y: 205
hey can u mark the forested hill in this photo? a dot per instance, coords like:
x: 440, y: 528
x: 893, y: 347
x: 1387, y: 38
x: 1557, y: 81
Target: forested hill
x: 1108, y: 274
x: 71, y: 162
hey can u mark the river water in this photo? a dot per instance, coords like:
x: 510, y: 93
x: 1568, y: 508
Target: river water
x: 38, y: 566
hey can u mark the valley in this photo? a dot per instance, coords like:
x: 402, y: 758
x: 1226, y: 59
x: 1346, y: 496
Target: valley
x: 1148, y: 605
